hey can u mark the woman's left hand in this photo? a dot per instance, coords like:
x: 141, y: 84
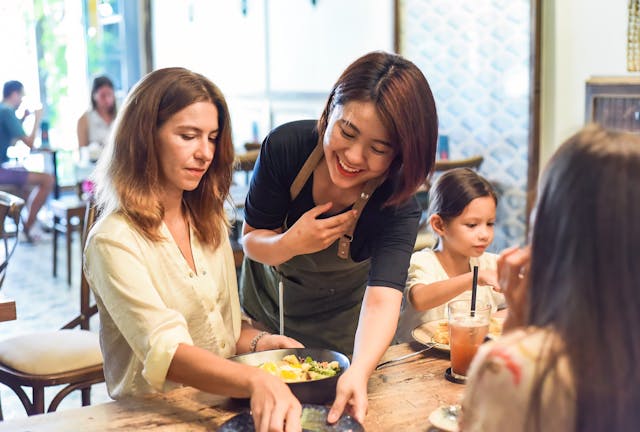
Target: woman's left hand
x: 351, y: 396
x: 513, y: 269
x: 274, y: 341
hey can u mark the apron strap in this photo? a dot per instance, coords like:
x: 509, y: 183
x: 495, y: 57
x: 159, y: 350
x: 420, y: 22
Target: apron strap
x: 303, y: 175
x: 305, y: 172
x: 345, y: 241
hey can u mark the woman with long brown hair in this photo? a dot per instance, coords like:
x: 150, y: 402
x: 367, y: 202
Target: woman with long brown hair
x: 159, y: 259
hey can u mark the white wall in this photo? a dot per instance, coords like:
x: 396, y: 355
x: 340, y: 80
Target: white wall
x: 580, y: 39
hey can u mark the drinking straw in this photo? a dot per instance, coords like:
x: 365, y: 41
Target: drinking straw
x: 474, y: 289
x: 281, y: 307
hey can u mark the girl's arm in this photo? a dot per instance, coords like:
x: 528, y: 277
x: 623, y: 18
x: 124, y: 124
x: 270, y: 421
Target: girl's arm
x: 428, y: 296
x: 376, y: 327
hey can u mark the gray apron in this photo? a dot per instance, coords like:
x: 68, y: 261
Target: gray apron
x: 323, y: 291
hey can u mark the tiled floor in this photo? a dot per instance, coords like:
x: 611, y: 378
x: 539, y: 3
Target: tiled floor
x: 43, y: 303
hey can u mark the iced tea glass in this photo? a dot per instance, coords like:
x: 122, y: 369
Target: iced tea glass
x: 467, y: 331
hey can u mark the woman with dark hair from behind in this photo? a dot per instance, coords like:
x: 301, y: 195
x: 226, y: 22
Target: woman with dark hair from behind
x: 570, y: 362
x: 159, y: 259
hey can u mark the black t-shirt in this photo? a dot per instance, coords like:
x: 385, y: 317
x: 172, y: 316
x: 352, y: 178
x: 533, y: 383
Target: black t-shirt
x: 386, y: 235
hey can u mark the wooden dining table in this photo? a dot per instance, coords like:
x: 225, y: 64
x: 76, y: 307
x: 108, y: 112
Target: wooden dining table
x: 401, y: 397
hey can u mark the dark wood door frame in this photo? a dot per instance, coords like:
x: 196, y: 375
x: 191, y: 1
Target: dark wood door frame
x: 533, y: 164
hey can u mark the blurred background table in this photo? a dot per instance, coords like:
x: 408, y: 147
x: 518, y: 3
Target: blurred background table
x: 7, y: 309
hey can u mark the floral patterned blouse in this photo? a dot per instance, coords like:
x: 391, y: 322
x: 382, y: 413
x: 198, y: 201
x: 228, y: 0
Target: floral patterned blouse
x: 502, y: 378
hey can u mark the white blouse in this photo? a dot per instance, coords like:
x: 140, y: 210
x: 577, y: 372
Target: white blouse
x: 99, y: 130
x: 150, y: 301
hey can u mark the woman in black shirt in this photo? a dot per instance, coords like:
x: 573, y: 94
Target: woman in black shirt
x: 331, y: 214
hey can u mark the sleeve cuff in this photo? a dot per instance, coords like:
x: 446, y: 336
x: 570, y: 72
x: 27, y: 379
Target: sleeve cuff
x: 160, y: 355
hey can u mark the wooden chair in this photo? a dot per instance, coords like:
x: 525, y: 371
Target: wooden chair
x: 68, y: 216
x: 473, y: 162
x: 68, y: 356
x: 245, y: 162
x: 10, y: 208
x: 22, y: 191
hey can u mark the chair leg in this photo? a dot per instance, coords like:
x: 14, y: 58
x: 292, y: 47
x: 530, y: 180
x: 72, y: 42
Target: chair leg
x: 86, y: 396
x: 80, y: 232
x: 38, y: 401
x: 55, y: 246
x: 68, y: 240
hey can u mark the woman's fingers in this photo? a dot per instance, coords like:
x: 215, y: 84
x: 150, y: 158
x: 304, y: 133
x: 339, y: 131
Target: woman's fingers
x: 319, y: 209
x: 338, y: 406
x: 277, y: 341
x: 276, y: 419
x: 512, y: 272
x: 293, y: 419
x: 261, y: 417
x: 512, y: 265
x: 274, y: 408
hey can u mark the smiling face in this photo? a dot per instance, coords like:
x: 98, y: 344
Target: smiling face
x: 471, y: 232
x: 356, y: 145
x: 187, y: 144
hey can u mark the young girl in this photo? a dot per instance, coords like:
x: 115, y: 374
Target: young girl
x: 463, y: 212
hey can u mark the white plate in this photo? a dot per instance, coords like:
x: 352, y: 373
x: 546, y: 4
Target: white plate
x: 425, y: 333
x: 443, y: 421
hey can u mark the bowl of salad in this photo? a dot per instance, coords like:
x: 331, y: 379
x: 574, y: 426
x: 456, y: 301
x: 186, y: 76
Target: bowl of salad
x: 310, y: 373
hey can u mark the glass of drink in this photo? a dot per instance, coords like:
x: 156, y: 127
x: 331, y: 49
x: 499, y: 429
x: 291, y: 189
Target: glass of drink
x: 467, y: 331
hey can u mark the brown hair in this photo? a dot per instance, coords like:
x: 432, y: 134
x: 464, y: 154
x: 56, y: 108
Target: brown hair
x: 128, y: 173
x: 455, y: 189
x: 405, y: 104
x: 585, y: 276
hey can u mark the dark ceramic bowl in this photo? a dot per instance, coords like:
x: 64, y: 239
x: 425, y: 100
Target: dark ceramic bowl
x: 310, y: 392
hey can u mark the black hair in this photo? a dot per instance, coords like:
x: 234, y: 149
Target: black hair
x: 10, y: 87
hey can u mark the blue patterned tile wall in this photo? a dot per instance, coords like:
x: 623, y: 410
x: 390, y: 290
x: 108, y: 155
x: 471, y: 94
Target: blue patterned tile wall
x: 475, y: 55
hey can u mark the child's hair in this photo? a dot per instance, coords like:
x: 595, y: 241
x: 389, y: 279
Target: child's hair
x: 455, y: 189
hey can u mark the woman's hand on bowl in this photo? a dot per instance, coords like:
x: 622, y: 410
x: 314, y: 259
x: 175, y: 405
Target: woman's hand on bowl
x: 351, y: 396
x: 274, y: 341
x: 273, y: 406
